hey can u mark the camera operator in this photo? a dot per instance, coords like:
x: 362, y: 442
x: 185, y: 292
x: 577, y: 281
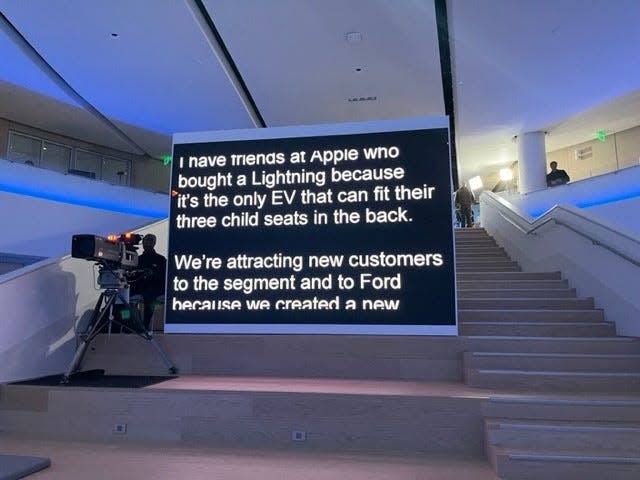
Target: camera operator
x: 152, y: 283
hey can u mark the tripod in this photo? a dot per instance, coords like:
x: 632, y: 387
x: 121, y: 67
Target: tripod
x: 103, y: 316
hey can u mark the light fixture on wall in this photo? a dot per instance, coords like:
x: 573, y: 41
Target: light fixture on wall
x: 506, y: 174
x: 475, y: 183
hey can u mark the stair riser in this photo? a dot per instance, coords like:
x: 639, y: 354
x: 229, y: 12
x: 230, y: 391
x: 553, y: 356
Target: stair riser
x: 565, y: 411
x: 553, y: 345
x: 502, y: 294
x: 481, y: 253
x: 474, y: 239
x: 551, y: 363
x: 482, y: 259
x: 514, y: 315
x: 470, y: 247
x: 509, y: 276
x: 552, y: 383
x: 560, y: 330
x: 488, y: 268
x: 539, y: 469
x: 486, y: 265
x: 511, y: 284
x: 530, y: 303
x: 470, y: 231
x: 539, y: 438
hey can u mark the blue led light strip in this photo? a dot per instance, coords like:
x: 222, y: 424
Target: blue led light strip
x: 113, y: 206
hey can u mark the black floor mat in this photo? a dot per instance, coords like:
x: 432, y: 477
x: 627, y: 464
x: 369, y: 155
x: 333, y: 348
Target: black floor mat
x: 97, y: 378
x: 13, y: 467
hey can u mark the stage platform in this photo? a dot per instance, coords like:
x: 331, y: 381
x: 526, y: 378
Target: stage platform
x: 304, y: 414
x: 79, y: 460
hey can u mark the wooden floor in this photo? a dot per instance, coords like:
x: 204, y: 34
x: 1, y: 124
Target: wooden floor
x: 320, y: 385
x: 124, y: 461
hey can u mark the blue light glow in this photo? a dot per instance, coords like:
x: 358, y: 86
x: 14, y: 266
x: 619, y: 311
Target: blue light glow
x: 602, y: 199
x: 116, y: 205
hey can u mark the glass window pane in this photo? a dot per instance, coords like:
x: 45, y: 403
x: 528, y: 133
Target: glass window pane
x: 86, y: 164
x: 56, y: 157
x: 115, y: 170
x: 24, y: 149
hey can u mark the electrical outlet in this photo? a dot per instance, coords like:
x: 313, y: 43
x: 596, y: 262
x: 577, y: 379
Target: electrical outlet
x: 120, y: 428
x: 298, y: 435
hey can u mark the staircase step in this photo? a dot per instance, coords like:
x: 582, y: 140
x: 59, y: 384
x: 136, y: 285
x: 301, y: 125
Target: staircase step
x: 525, y: 303
x: 494, y: 267
x: 600, y: 345
x: 511, y: 284
x: 496, y: 293
x: 475, y: 243
x: 564, y: 436
x: 510, y: 464
x: 522, y: 380
x: 553, y: 361
x: 563, y: 347
x: 473, y: 238
x: 538, y: 329
x: 511, y: 276
x: 529, y: 315
x: 469, y: 230
x: 481, y: 252
x: 475, y: 260
x: 564, y: 408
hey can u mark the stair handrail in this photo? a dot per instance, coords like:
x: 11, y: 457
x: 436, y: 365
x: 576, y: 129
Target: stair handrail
x: 524, y: 224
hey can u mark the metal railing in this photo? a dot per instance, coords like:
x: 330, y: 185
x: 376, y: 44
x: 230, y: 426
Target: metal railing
x: 542, y: 221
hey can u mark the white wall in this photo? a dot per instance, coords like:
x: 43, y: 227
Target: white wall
x: 625, y: 213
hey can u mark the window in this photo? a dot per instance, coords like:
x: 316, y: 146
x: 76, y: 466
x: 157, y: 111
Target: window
x: 67, y: 159
x: 24, y: 149
x: 55, y: 157
x: 115, y: 170
x: 87, y: 162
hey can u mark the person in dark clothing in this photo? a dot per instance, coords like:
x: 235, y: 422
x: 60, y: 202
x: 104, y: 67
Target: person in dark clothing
x: 556, y: 176
x: 152, y: 284
x: 463, y: 201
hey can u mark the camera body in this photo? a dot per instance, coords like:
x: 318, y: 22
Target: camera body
x: 116, y: 251
x: 116, y: 255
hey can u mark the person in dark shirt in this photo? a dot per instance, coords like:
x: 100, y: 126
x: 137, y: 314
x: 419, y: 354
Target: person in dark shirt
x: 556, y: 176
x: 463, y: 201
x: 152, y: 284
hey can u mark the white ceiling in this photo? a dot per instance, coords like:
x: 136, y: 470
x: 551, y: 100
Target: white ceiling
x: 569, y: 67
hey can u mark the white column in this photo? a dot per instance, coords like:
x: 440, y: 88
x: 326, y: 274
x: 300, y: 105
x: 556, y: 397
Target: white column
x: 532, y: 162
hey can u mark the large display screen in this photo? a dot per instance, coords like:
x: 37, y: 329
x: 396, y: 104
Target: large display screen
x: 339, y: 229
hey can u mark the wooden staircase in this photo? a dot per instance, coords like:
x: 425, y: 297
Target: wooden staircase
x: 575, y: 407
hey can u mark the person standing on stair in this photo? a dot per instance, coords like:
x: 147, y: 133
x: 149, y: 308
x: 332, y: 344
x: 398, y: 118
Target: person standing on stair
x: 463, y: 201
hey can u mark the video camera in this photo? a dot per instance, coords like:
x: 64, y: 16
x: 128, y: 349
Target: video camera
x: 116, y: 255
x: 117, y: 251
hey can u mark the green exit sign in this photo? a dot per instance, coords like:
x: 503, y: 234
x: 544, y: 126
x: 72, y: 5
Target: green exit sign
x: 166, y: 160
x: 600, y: 135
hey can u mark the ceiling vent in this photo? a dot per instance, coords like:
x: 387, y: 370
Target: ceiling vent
x: 362, y: 99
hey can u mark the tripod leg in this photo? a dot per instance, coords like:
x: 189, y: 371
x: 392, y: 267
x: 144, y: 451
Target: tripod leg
x: 142, y: 332
x: 170, y: 366
x: 96, y: 323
